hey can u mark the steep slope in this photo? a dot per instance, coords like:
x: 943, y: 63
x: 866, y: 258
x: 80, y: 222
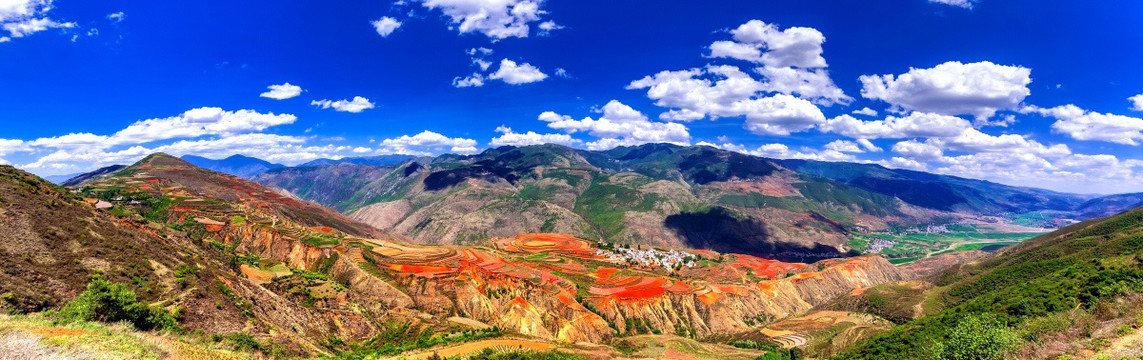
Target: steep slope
x: 232, y: 256
x: 951, y: 193
x: 1071, y: 292
x: 232, y: 190
x: 237, y: 165
x: 341, y: 186
x: 91, y: 176
x: 1109, y: 205
x: 654, y: 194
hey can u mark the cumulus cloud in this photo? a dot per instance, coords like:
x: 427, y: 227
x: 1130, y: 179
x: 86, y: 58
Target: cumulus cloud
x: 548, y: 26
x: 726, y: 91
x: 967, y: 4
x: 426, y: 143
x: 791, y: 60
x: 859, y: 146
x: 915, y: 124
x: 917, y: 150
x: 795, y: 46
x: 474, y: 80
x: 1082, y: 124
x: 282, y: 92
x: 865, y: 111
x: 207, y: 131
x: 510, y: 137
x: 25, y: 17
x: 620, y: 125
x: 194, y: 123
x: 782, y: 151
x: 952, y: 88
x: 358, y: 104
x: 1136, y: 102
x: 515, y: 74
x: 780, y: 115
x: 385, y: 25
x: 496, y: 19
x: 510, y: 72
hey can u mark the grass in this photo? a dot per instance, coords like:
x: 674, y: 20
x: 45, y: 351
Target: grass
x: 40, y: 336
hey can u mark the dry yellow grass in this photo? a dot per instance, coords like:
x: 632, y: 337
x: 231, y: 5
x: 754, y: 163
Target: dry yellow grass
x: 501, y: 345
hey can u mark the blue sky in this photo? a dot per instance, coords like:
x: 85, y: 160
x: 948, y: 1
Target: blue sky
x: 1036, y: 93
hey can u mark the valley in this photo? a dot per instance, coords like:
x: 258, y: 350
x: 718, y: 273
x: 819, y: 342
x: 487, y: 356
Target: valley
x: 258, y: 270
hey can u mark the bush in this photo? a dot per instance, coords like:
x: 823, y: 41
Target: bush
x: 109, y: 302
x: 979, y: 337
x: 489, y: 354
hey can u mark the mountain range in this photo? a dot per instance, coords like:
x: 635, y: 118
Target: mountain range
x: 227, y: 267
x: 669, y: 195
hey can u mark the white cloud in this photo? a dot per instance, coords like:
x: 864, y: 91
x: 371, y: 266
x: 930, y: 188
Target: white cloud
x: 693, y: 96
x: 967, y: 4
x: 511, y: 73
x: 530, y: 138
x: 952, y: 88
x: 1081, y: 124
x: 479, y: 50
x: 795, y: 46
x: 26, y: 27
x: 561, y: 72
x: 791, y: 60
x: 780, y: 115
x: 865, y: 111
x: 916, y: 124
x: 197, y: 122
x: 385, y: 25
x: 8, y: 146
x: 497, y: 19
x: 474, y: 80
x: 73, y: 141
x: 426, y: 143
x: 548, y: 26
x: 1136, y: 102
x: 898, y: 162
x: 358, y: 104
x: 620, y: 125
x: 781, y: 151
x: 844, y: 146
x: 914, y: 149
x: 116, y: 17
x: 868, y: 145
x: 859, y: 146
x: 282, y: 92
x: 25, y: 17
x: 812, y: 84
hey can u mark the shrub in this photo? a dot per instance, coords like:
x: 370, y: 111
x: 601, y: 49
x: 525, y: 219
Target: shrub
x: 106, y: 301
x: 978, y: 337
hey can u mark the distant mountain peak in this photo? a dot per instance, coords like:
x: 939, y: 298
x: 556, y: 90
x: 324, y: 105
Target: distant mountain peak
x: 238, y: 165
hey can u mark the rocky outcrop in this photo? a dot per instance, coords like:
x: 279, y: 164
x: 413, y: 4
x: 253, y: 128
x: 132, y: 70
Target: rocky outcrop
x: 724, y: 309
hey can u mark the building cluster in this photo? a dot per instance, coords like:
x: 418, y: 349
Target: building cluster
x: 668, y: 259
x: 876, y: 245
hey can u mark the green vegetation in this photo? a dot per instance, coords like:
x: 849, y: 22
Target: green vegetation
x: 489, y: 354
x: 978, y: 337
x: 773, y: 352
x: 909, y: 247
x: 1083, y: 267
x: 605, y: 205
x: 109, y: 302
x: 399, y: 337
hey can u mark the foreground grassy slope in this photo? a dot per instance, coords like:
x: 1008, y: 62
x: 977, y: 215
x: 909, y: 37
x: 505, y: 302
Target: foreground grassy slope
x: 1070, y: 292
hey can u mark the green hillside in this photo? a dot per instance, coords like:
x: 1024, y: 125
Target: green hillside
x: 1070, y: 292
